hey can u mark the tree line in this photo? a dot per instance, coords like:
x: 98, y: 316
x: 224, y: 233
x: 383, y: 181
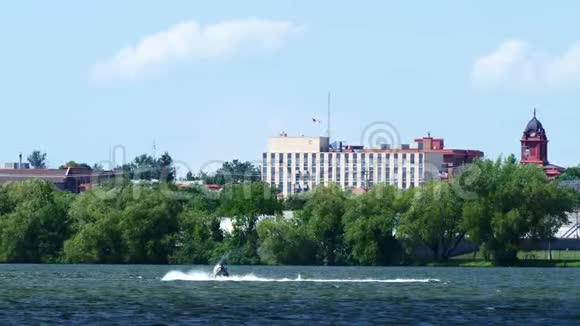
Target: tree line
x: 494, y: 204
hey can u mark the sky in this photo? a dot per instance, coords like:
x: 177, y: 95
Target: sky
x: 210, y: 81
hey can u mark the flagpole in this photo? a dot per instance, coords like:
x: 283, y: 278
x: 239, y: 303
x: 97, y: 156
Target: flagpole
x: 328, y: 121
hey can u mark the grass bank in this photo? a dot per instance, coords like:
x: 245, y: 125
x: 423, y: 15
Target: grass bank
x: 519, y: 263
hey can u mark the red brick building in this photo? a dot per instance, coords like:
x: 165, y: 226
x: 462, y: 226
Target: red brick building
x: 73, y: 179
x: 534, y: 148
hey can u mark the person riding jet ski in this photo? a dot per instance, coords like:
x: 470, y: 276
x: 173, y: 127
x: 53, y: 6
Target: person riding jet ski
x: 221, y: 270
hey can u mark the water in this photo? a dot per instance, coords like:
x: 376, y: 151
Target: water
x: 102, y: 294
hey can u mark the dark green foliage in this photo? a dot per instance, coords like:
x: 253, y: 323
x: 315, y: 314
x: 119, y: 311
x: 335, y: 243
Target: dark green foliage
x: 297, y: 201
x: 198, y: 238
x: 286, y: 242
x: 37, y: 160
x: 323, y: 215
x: 233, y: 172
x: 73, y: 164
x: 33, y: 222
x: 146, y: 167
x: 190, y: 177
x: 510, y: 201
x: 495, y: 204
x: 369, y: 223
x: 244, y: 204
x: 433, y: 219
x: 572, y: 173
x: 138, y: 225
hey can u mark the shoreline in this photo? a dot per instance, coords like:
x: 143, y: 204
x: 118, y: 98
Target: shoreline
x: 463, y: 263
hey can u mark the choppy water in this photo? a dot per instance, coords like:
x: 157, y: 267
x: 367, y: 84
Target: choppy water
x: 100, y: 294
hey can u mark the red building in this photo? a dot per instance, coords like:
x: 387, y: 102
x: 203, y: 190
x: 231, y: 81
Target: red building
x: 534, y: 148
x: 73, y: 179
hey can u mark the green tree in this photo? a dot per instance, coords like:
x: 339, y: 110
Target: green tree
x: 296, y: 201
x: 234, y: 172
x: 369, y: 223
x: 137, y: 225
x: 148, y: 225
x: 572, y: 173
x: 199, y: 236
x: 434, y: 219
x: 98, y: 167
x: 286, y: 241
x: 323, y: 214
x: 511, y: 201
x: 143, y: 167
x: 73, y: 164
x: 37, y: 160
x: 33, y: 222
x: 190, y: 177
x: 97, y: 233
x: 146, y: 167
x: 244, y: 204
x: 165, y: 168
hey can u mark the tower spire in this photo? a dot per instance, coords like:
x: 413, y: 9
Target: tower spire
x: 534, y: 112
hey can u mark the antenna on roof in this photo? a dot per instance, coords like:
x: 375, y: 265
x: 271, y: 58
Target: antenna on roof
x: 534, y: 112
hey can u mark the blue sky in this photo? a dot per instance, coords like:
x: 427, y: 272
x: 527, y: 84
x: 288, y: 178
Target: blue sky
x: 211, y: 80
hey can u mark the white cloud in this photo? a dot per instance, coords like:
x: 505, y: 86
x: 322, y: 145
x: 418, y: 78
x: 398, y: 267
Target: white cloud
x: 191, y: 40
x: 514, y: 65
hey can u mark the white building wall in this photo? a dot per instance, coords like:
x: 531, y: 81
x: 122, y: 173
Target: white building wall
x: 304, y: 171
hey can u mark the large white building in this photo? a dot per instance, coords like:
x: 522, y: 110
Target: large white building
x: 298, y: 164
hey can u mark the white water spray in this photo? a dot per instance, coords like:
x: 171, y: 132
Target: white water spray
x: 200, y: 276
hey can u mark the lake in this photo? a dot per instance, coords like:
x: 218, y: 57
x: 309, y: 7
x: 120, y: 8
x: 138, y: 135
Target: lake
x: 104, y: 294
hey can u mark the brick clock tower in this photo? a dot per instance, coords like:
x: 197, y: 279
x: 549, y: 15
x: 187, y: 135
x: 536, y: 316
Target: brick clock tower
x: 535, y: 148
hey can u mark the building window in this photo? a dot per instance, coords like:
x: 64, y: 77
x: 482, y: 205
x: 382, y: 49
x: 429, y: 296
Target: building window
x: 421, y: 166
x: 371, y: 178
x: 338, y: 168
x: 305, y: 173
x: 297, y: 173
x: 380, y: 168
x: 264, y: 166
x: 314, y: 169
x: 330, y: 167
x: 346, y: 170
x: 273, y: 169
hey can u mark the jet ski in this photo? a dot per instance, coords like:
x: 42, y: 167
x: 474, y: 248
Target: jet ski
x: 220, y: 270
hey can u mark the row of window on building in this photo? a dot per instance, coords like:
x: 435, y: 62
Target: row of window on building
x: 298, y: 172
